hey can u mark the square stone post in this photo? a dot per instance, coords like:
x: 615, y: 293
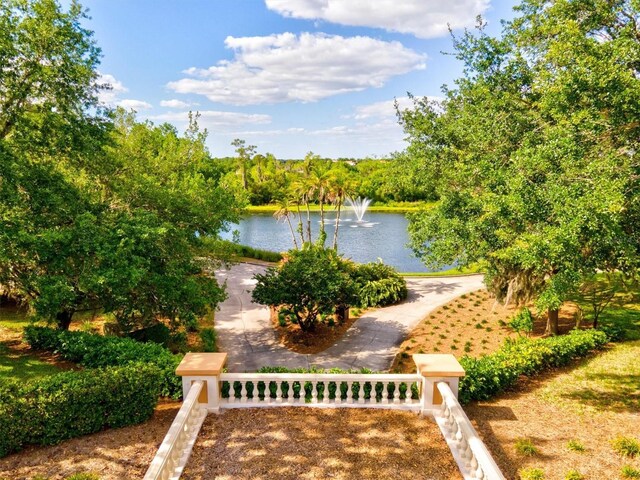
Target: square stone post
x: 436, y: 368
x: 206, y: 367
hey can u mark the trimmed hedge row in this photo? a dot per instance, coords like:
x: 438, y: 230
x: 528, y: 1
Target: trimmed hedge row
x: 95, y: 351
x: 70, y: 404
x: 491, y: 374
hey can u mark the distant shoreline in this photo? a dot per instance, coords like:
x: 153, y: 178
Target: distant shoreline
x: 405, y: 207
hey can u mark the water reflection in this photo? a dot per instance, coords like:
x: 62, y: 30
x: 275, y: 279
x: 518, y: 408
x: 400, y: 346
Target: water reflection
x: 380, y: 236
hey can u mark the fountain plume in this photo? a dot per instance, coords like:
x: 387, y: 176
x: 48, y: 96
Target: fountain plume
x: 359, y: 206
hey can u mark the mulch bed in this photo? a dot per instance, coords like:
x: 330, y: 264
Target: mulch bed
x: 524, y: 413
x: 473, y: 324
x: 306, y: 443
x: 323, y: 337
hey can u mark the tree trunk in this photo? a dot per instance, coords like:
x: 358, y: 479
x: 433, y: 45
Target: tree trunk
x: 293, y: 235
x: 322, y: 236
x: 64, y: 319
x: 308, y: 221
x: 552, y: 322
x: 300, y: 229
x: 342, y: 313
x: 335, y: 232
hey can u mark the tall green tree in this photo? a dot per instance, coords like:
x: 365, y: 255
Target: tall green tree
x: 94, y: 214
x: 534, y: 151
x: 48, y: 81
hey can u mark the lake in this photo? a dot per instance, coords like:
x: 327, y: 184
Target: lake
x: 381, y: 236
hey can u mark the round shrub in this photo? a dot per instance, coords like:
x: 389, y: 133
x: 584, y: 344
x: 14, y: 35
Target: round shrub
x: 378, y: 285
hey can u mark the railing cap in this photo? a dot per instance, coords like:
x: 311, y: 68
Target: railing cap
x: 201, y: 364
x: 438, y: 365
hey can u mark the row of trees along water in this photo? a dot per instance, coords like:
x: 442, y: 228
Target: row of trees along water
x: 260, y: 179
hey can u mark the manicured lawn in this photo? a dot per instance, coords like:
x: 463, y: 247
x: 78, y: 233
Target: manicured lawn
x: 22, y: 367
x: 445, y: 273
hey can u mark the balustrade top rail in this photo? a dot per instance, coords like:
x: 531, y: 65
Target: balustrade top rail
x: 170, y: 455
x: 469, y: 446
x: 324, y: 377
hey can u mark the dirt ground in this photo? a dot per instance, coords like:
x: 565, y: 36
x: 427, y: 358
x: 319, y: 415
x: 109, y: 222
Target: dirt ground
x: 530, y: 413
x: 282, y: 443
x: 473, y: 324
x: 319, y: 340
x: 305, y: 443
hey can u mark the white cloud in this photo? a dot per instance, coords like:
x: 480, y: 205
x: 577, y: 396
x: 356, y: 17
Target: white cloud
x: 422, y: 18
x: 309, y: 67
x: 386, y: 108
x: 131, y: 104
x: 213, y: 118
x: 113, y: 88
x: 175, y: 104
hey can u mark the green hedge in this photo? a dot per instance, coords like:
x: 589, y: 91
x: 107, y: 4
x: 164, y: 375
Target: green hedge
x: 297, y: 389
x: 93, y: 351
x: 70, y: 404
x: 491, y: 374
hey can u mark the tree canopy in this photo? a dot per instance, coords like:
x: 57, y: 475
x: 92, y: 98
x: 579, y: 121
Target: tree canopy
x: 534, y: 151
x: 97, y: 211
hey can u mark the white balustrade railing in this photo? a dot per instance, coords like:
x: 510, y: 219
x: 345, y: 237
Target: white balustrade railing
x: 394, y: 391
x: 175, y: 449
x: 469, y: 451
x: 203, y: 373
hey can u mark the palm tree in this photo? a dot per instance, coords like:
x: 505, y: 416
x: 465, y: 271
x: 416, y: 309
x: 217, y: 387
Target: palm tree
x: 284, y: 212
x: 300, y: 191
x: 320, y: 180
x: 339, y: 188
x: 244, y: 158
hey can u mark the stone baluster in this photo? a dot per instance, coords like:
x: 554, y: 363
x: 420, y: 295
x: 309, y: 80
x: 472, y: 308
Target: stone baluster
x: 243, y: 391
x: 326, y: 394
x: 396, y: 393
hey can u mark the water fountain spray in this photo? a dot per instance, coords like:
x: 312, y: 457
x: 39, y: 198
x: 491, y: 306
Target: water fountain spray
x: 359, y: 206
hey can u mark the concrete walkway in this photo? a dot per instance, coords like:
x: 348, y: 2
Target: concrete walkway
x: 246, y: 334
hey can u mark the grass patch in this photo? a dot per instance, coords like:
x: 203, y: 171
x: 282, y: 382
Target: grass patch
x: 575, y: 446
x: 13, y: 318
x: 607, y: 382
x: 452, y: 272
x: 21, y: 368
x: 629, y: 472
x: 626, y: 446
x: 531, y: 474
x: 525, y: 446
x: 573, y: 475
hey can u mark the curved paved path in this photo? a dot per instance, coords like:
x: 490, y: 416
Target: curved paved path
x: 245, y: 332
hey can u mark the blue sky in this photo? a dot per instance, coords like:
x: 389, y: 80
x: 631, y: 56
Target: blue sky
x: 289, y: 76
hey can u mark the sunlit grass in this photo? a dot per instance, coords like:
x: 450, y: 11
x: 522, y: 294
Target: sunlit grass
x: 16, y: 367
x: 606, y: 382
